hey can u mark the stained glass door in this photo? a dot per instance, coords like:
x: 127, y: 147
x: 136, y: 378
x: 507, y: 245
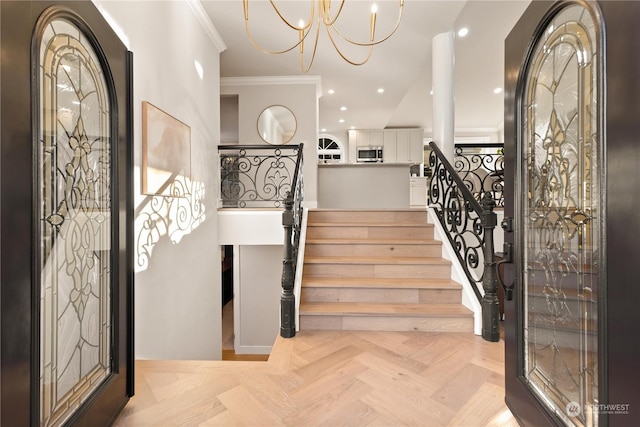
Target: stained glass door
x: 73, y: 323
x: 557, y: 199
x: 561, y: 217
x: 75, y: 200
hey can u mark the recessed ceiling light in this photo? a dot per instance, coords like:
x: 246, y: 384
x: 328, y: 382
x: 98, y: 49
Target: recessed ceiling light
x: 497, y: 90
x: 463, y: 32
x: 352, y: 127
x: 343, y: 108
x: 331, y: 91
x: 323, y: 130
x: 431, y: 92
x: 381, y: 90
x: 341, y: 121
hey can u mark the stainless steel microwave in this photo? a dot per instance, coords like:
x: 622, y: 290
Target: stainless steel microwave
x: 369, y: 155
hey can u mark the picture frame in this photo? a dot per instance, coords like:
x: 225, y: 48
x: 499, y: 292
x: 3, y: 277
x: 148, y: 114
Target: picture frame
x: 166, y: 150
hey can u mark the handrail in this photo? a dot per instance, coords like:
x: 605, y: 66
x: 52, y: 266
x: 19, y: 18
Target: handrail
x: 256, y: 176
x: 469, y: 225
x: 292, y: 223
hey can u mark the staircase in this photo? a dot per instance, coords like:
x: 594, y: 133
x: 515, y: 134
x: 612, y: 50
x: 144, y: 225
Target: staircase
x: 378, y: 270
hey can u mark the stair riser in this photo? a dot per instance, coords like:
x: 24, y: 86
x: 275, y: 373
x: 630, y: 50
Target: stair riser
x: 324, y: 249
x: 369, y: 232
x: 386, y: 323
x: 420, y: 271
x: 368, y: 216
x: 374, y: 295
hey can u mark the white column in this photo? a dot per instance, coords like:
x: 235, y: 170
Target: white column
x: 443, y: 93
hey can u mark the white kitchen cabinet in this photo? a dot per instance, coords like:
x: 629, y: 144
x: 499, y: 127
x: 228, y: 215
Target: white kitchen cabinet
x: 369, y: 138
x: 402, y: 147
x: 416, y: 146
x: 417, y: 192
x: 389, y: 147
x: 399, y: 145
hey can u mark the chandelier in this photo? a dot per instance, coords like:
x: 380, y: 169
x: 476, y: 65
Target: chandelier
x: 321, y: 14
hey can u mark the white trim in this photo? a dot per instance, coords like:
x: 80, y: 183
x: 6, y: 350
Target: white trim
x: 297, y: 283
x: 273, y: 80
x: 237, y: 330
x: 469, y: 298
x: 202, y: 17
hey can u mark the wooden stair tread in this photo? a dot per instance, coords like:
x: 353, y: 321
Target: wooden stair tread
x: 369, y: 309
x: 375, y: 260
x: 347, y: 241
x: 370, y: 224
x: 377, y: 282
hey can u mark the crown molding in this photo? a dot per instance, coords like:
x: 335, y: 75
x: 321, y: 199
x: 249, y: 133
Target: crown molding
x: 274, y: 80
x: 207, y: 25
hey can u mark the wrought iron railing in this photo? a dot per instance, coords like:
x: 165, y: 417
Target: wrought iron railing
x: 256, y: 176
x: 469, y: 224
x: 292, y: 223
x: 481, y: 168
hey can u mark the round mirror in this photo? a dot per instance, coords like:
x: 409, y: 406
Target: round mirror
x: 276, y: 125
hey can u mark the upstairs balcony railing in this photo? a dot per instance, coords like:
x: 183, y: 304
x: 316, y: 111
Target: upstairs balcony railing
x: 256, y: 176
x: 481, y: 168
x: 469, y: 225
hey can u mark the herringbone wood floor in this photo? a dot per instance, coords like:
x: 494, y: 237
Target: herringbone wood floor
x: 332, y: 378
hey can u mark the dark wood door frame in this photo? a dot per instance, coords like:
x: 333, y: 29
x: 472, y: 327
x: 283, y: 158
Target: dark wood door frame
x: 19, y: 293
x: 619, y: 317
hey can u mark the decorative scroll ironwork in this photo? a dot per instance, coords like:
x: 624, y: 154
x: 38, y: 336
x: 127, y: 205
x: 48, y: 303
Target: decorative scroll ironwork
x: 174, y: 216
x: 74, y: 221
x: 458, y: 215
x: 481, y: 167
x: 292, y: 223
x: 469, y: 226
x: 561, y: 218
x: 256, y: 176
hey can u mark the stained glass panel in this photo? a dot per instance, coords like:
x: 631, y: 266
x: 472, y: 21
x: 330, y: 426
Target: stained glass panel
x: 74, y: 211
x: 561, y: 203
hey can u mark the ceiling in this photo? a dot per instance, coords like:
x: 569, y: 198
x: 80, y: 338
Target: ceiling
x: 401, y: 65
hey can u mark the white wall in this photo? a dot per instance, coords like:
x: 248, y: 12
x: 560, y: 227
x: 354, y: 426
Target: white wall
x: 178, y: 274
x: 258, y: 289
x: 298, y: 93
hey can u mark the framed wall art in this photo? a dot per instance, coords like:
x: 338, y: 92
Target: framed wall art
x: 166, y: 150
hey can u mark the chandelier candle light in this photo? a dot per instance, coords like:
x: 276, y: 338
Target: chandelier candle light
x: 322, y: 9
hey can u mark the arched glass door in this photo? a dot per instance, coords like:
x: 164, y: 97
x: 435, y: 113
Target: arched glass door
x: 75, y: 221
x: 561, y: 216
x: 66, y: 212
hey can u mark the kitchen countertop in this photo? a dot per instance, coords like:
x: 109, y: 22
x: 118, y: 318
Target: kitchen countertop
x: 333, y: 165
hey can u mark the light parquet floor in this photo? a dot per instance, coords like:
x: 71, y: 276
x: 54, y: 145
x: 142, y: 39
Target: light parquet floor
x: 332, y: 378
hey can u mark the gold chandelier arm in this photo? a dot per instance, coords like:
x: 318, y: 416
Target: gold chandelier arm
x: 343, y: 56
x: 313, y: 54
x: 289, y: 24
x: 373, y: 42
x: 305, y: 33
x: 324, y: 8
